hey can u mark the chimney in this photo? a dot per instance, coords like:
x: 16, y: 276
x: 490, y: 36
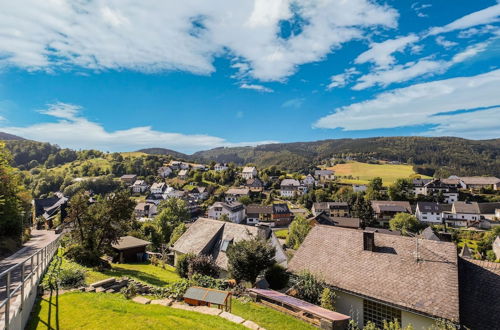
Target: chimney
x: 369, y: 241
x: 263, y: 231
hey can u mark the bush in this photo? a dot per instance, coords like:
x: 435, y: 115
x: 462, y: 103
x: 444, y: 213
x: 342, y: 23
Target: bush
x: 66, y: 277
x: 83, y: 256
x: 309, y: 288
x: 129, y: 291
x: 277, y: 277
x: 208, y: 282
x: 182, y: 264
x: 490, y: 255
x: 327, y: 299
x: 247, y: 259
x: 204, y: 265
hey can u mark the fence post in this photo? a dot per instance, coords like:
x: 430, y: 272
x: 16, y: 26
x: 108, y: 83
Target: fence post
x: 22, y: 285
x: 7, y: 304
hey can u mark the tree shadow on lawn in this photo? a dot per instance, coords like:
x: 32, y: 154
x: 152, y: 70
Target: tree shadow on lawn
x: 117, y: 271
x: 36, y: 316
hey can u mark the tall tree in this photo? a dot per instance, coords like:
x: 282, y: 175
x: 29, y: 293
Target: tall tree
x: 401, y: 190
x: 14, y: 200
x: 362, y: 209
x: 405, y: 223
x: 297, y: 232
x: 374, y: 189
x: 171, y: 213
x: 98, y: 225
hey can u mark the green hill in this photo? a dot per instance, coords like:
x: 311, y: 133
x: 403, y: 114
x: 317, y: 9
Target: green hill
x: 440, y: 155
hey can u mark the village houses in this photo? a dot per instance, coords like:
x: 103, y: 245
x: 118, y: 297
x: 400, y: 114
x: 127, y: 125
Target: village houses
x: 234, y: 194
x: 249, y: 172
x: 234, y: 211
x: 139, y: 186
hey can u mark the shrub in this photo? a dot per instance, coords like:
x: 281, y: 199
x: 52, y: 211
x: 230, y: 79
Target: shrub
x: 327, y: 299
x: 204, y: 265
x: 248, y: 258
x: 83, y: 256
x: 309, y: 288
x: 129, y: 291
x: 490, y: 255
x: 66, y: 277
x: 277, y: 277
x: 208, y: 282
x: 182, y: 264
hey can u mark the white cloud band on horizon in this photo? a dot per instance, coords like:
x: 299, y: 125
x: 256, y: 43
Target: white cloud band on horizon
x: 71, y: 130
x: 420, y: 104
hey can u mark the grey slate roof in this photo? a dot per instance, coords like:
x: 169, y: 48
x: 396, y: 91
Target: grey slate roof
x: 205, y: 236
x: 128, y: 242
x: 479, y: 294
x: 428, y: 286
x: 466, y: 207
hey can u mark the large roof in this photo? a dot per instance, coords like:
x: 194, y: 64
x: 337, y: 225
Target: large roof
x: 479, y: 294
x: 249, y: 169
x: 128, y: 242
x: 391, y: 274
x: 391, y: 206
x: 205, y: 236
x: 262, y: 209
x: 433, y: 207
x: 237, y: 191
x: 466, y: 207
x: 479, y: 180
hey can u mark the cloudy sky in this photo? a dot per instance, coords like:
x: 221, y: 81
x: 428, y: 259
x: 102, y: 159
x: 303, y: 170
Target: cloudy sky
x: 197, y: 74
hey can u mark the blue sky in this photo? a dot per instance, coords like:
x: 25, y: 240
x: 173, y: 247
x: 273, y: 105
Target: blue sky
x: 124, y: 75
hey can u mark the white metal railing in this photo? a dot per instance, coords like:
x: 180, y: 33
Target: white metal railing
x: 18, y: 276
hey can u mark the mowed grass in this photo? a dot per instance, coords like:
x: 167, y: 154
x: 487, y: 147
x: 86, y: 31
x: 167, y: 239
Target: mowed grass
x: 267, y: 317
x: 80, y: 310
x: 362, y: 173
x: 144, y: 272
x: 282, y: 233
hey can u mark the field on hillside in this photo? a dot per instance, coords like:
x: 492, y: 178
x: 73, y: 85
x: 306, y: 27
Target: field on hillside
x: 362, y: 172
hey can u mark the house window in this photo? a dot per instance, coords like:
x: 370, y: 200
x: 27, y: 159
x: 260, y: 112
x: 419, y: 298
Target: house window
x: 377, y: 313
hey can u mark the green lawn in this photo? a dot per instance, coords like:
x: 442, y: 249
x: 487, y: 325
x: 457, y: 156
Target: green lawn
x: 267, y: 317
x: 264, y: 316
x: 79, y: 310
x: 282, y: 233
x: 144, y: 272
x: 363, y: 172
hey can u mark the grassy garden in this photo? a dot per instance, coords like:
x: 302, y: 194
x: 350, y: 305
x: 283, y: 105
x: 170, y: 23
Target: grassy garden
x: 144, y: 272
x: 78, y: 310
x: 112, y: 311
x: 363, y: 172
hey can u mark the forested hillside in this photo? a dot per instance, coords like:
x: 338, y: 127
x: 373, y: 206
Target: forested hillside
x: 442, y: 155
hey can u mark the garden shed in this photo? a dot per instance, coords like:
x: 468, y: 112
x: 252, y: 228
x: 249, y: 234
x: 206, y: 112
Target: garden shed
x: 198, y: 296
x: 130, y: 249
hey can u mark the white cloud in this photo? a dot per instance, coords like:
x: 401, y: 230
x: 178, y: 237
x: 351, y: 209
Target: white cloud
x: 404, y: 72
x: 256, y: 87
x: 340, y: 80
x: 293, y: 103
x: 381, y: 53
x: 474, y: 125
x: 418, y: 8
x: 440, y: 40
x: 478, y: 31
x: 160, y: 35
x: 75, y: 131
x: 485, y: 16
x: 419, y: 105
